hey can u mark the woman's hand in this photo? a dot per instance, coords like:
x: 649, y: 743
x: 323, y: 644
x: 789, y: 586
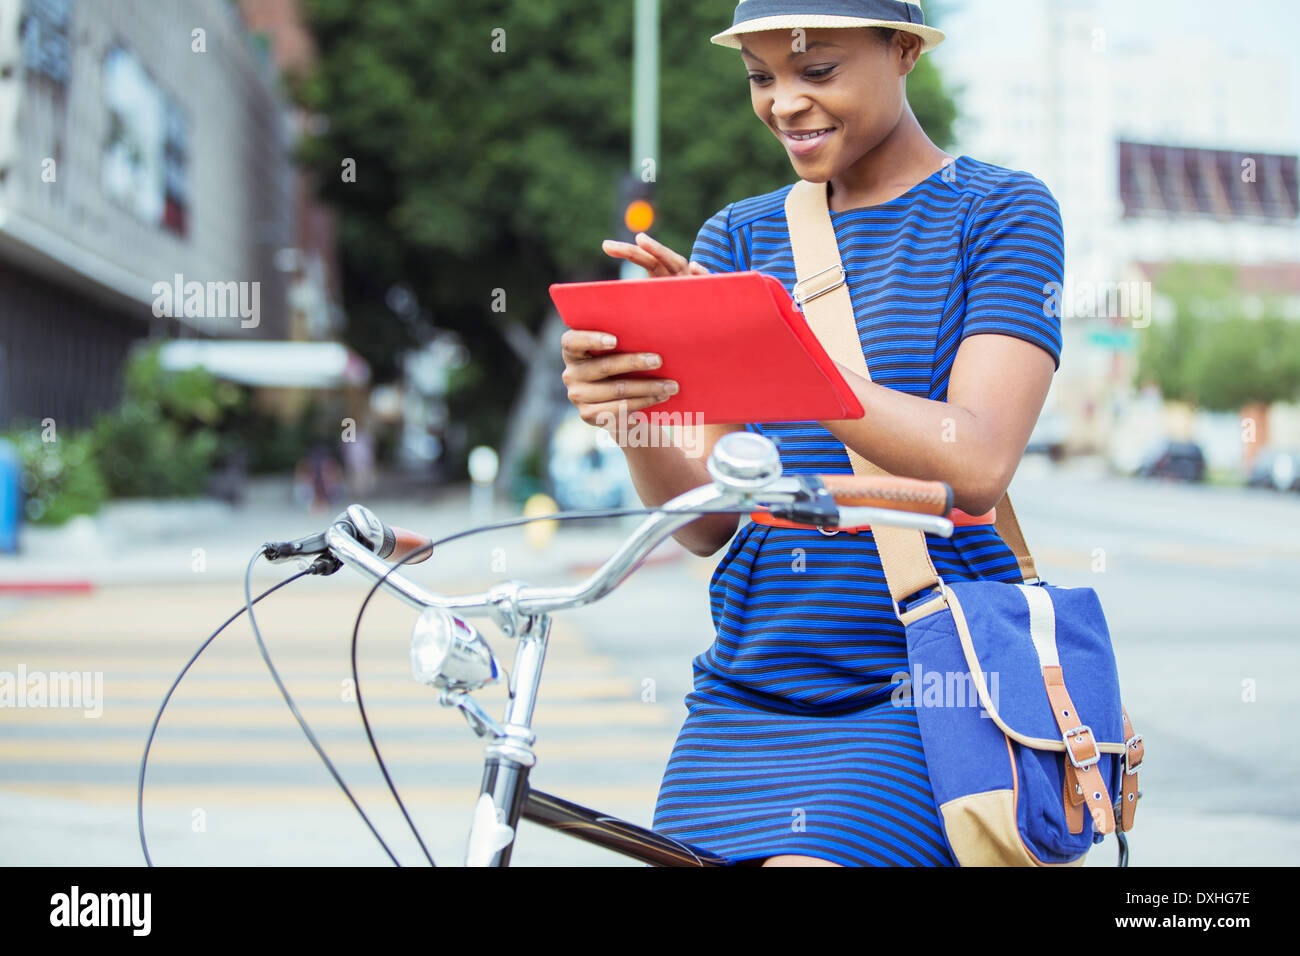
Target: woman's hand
x: 595, y: 388
x: 653, y: 256
x: 601, y: 397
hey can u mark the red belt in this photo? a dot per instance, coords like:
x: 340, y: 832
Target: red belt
x: 958, y: 517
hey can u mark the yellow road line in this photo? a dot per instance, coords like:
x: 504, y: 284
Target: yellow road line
x: 338, y: 714
x: 373, y: 689
x: 171, y: 751
x: 253, y: 665
x: 215, y: 794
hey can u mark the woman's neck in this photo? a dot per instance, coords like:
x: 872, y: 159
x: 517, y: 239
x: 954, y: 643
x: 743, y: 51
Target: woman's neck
x: 901, y: 160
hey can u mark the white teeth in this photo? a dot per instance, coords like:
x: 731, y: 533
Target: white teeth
x: 812, y: 135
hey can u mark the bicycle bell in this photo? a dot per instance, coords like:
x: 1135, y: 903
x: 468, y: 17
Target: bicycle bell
x: 449, y: 653
x: 744, y: 460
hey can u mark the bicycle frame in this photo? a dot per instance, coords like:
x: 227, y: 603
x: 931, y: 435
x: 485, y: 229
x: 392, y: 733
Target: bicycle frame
x: 524, y: 613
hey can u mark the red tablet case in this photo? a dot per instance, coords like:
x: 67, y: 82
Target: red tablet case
x: 734, y: 342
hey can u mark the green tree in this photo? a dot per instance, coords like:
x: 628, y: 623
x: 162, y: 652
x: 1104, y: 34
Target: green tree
x: 488, y: 139
x: 60, y: 478
x: 1212, y: 353
x: 163, y: 438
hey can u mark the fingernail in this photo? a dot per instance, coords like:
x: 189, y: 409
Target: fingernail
x: 609, y: 341
x: 670, y: 388
x: 653, y: 361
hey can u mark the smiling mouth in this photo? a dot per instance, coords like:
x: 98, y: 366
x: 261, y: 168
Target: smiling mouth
x: 800, y: 137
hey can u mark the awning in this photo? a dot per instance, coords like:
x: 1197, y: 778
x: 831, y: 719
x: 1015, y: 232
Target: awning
x: 270, y: 364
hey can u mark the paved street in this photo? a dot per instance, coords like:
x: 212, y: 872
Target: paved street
x: 1195, y: 582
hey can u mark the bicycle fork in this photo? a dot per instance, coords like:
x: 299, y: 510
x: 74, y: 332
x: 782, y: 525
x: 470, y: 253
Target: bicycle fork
x: 509, y: 757
x: 505, y: 796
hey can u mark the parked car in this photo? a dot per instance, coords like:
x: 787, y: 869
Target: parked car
x: 1048, y: 436
x: 585, y: 471
x: 1276, y: 468
x: 1173, y: 461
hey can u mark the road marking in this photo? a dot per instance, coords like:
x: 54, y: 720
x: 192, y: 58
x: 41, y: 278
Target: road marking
x: 213, y: 689
x: 210, y: 795
x: 227, y: 720
x: 168, y: 751
x: 274, y: 714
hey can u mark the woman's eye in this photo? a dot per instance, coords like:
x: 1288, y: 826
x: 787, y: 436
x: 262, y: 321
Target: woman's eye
x: 759, y: 78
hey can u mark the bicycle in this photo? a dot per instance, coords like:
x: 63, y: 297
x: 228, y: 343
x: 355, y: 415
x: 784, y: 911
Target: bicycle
x: 449, y: 654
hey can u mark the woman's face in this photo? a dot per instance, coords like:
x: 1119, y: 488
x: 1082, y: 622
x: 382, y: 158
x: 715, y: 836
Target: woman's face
x: 846, y: 81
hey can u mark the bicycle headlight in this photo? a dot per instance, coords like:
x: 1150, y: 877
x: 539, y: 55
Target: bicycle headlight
x: 449, y: 653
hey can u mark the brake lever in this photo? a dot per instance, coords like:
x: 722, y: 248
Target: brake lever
x: 278, y: 552
x: 792, y: 497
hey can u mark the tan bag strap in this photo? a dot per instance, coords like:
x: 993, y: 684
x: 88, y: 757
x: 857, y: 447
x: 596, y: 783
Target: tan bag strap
x: 823, y: 293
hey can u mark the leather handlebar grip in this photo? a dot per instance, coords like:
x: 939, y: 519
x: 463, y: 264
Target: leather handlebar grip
x: 888, y: 491
x: 404, y: 542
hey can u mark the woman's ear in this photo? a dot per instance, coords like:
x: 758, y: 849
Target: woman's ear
x: 909, y: 52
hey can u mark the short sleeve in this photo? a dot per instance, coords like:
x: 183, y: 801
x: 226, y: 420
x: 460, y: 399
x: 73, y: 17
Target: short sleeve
x: 1015, y: 264
x: 712, y: 247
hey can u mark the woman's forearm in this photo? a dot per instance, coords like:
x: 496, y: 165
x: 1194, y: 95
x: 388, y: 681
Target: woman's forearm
x: 664, y: 472
x: 921, y: 438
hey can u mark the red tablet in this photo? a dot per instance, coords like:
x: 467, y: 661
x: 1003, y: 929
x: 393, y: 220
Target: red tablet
x: 734, y: 342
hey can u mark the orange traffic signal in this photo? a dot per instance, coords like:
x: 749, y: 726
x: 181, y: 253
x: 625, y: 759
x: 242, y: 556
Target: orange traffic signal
x: 639, y: 216
x: 635, y: 209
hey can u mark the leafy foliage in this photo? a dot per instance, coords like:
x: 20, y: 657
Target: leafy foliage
x: 163, y: 439
x: 60, y: 479
x: 1212, y: 353
x: 479, y: 170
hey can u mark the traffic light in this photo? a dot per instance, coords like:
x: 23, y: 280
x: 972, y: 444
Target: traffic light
x: 635, y: 211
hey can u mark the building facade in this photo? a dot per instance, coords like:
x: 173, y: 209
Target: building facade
x: 146, y: 189
x: 1158, y: 149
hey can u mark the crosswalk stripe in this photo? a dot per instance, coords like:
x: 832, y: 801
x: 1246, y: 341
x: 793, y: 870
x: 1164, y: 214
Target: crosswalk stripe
x: 216, y: 688
x: 169, y: 751
x: 216, y: 793
x: 250, y: 663
x: 340, y: 714
x: 227, y: 720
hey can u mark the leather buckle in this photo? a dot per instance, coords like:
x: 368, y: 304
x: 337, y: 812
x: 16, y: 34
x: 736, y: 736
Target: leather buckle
x: 800, y: 299
x: 1129, y: 745
x: 1080, y: 731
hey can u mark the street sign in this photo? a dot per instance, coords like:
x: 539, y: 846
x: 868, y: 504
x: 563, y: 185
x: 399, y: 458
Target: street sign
x: 1121, y: 340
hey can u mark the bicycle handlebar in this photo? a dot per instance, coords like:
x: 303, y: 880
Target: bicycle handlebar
x: 903, y: 502
x: 888, y: 491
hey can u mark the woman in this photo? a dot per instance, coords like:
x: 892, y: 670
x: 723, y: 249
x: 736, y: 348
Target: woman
x: 796, y: 749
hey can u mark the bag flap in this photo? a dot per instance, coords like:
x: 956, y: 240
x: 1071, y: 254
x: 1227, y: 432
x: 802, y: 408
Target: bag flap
x: 1068, y: 627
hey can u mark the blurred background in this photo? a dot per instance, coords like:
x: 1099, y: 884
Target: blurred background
x: 259, y: 258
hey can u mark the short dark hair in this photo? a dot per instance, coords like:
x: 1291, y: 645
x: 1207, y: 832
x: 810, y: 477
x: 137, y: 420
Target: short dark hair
x: 884, y: 34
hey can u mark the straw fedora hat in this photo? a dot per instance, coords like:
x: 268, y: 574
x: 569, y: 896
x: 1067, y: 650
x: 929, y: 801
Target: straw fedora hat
x: 753, y: 15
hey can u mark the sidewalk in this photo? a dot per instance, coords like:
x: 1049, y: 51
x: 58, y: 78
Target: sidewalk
x: 157, y: 542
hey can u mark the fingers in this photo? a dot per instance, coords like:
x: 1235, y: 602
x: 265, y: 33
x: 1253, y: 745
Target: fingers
x: 673, y: 262
x: 650, y: 254
x: 602, y: 367
x: 607, y: 414
x: 576, y: 344
x: 617, y: 389
x: 634, y: 254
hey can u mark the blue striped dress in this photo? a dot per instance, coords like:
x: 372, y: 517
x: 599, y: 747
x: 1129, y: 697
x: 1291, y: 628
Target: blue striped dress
x: 793, y: 742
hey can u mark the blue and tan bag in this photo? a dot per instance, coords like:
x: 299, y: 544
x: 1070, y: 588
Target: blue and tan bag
x: 1030, y: 752
x: 1029, y: 749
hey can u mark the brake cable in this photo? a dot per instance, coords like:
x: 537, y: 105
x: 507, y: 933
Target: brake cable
x: 284, y: 692
x: 426, y: 549
x: 144, y: 760
x: 249, y: 601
